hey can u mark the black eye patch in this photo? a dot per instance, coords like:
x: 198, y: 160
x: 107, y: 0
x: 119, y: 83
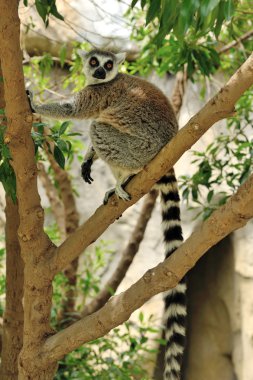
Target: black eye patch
x: 108, y: 65
x: 93, y: 62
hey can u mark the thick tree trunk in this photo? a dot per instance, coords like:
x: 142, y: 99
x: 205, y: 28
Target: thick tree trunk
x: 13, y: 319
x: 35, y: 244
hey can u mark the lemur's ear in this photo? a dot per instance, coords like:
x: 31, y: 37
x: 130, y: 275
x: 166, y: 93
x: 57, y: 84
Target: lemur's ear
x: 120, y: 58
x: 82, y: 53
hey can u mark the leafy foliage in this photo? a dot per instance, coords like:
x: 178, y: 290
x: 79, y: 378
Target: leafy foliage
x: 62, y: 141
x: 45, y: 8
x: 186, y: 16
x: 96, y: 262
x: 225, y: 164
x: 186, y: 35
x: 116, y: 356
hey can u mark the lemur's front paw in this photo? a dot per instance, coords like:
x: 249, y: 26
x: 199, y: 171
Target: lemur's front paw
x: 86, y: 171
x: 30, y: 99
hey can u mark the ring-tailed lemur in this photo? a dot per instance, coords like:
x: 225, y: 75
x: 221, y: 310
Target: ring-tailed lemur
x: 132, y: 121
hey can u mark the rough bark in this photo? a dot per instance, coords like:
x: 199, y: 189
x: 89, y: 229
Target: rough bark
x: 13, y: 318
x: 219, y: 107
x: 12, y: 327
x: 126, y: 257
x: 35, y: 244
x: 235, y: 214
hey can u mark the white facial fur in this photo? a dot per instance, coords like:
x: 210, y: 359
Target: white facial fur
x: 104, y: 61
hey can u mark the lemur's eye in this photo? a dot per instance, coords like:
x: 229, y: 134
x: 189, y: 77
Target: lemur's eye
x: 93, y: 62
x: 108, y: 65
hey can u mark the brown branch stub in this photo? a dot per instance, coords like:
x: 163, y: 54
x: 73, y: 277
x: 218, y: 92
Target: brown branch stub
x: 231, y: 216
x: 178, y: 91
x: 219, y: 107
x: 127, y: 255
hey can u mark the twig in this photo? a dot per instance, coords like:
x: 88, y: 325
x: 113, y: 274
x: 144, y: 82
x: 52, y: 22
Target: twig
x: 232, y: 44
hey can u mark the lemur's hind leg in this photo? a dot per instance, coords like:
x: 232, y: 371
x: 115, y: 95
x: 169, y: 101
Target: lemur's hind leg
x: 89, y: 158
x: 123, y: 176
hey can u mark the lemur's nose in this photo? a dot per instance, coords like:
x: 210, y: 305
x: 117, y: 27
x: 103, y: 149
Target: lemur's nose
x: 99, y: 73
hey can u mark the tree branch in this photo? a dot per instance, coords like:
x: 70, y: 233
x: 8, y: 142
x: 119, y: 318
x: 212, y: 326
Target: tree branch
x: 232, y: 44
x: 219, y: 107
x: 233, y: 215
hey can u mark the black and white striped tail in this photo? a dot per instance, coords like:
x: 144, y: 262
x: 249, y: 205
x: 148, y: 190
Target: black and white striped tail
x: 175, y: 299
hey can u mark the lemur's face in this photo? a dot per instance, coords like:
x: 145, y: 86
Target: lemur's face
x: 100, y: 66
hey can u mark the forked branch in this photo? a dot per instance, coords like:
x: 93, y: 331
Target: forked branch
x: 233, y: 215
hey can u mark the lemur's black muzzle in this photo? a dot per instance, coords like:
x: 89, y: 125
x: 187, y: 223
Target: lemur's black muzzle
x: 100, y: 73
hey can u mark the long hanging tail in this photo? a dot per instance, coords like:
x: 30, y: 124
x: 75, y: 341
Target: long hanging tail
x: 175, y: 299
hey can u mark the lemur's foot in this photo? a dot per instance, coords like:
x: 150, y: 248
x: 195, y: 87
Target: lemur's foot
x: 122, y: 194
x: 119, y: 191
x: 108, y: 194
x: 86, y: 171
x: 30, y: 100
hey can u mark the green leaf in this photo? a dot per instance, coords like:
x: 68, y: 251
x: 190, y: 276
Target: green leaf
x: 133, y: 3
x: 207, y: 6
x: 6, y: 152
x: 219, y: 20
x: 143, y: 3
x: 195, y: 193
x: 62, y: 145
x: 63, y: 127
x: 55, y: 13
x: 229, y: 8
x: 59, y: 157
x: 39, y: 125
x: 210, y: 195
x: 62, y: 54
x: 42, y: 9
x: 25, y: 3
x: 153, y: 10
